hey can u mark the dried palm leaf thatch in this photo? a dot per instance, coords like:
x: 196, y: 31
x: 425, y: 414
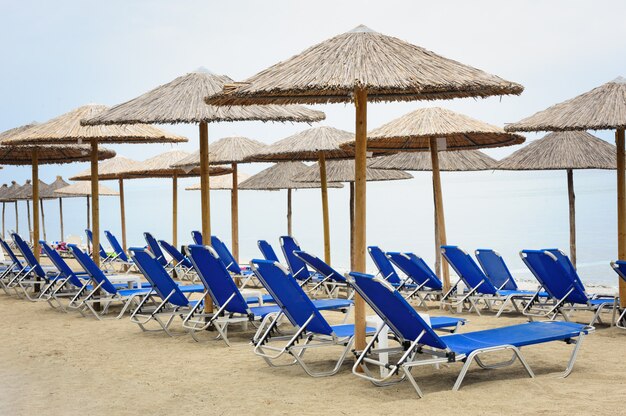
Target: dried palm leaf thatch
x: 226, y: 150
x: 182, y: 101
x: 50, y: 191
x: 459, y: 161
x: 389, y: 68
x: 602, y: 108
x: 562, y: 150
x: 307, y: 145
x: 224, y: 182
x: 115, y: 168
x: 67, y: 128
x: 26, y: 191
x: 413, y: 131
x: 5, y: 193
x: 12, y: 192
x: 343, y: 171
x: 84, y: 189
x: 160, y: 166
x: 282, y: 175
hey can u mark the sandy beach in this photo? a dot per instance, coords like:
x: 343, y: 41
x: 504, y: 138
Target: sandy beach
x: 55, y: 363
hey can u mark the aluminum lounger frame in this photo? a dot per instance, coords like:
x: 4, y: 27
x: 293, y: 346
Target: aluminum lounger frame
x: 32, y: 276
x: 405, y: 261
x: 312, y: 329
x: 620, y: 322
x: 481, y: 291
x: 104, y: 292
x: 425, y: 347
x: 297, y: 267
x: 105, y: 258
x: 15, y: 269
x: 182, y: 270
x: 332, y: 280
x: 119, y: 257
x: 231, y: 263
x: 567, y: 291
x: 495, y: 268
x: 155, y: 248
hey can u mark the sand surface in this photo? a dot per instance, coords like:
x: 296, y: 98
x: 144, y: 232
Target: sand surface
x: 54, y: 363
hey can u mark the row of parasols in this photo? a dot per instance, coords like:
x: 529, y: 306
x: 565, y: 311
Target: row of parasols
x: 358, y: 67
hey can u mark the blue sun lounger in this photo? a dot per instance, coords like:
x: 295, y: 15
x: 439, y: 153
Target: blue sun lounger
x: 34, y: 278
x: 311, y: 327
x: 229, y: 260
x: 267, y: 250
x: 104, y: 292
x: 155, y: 248
x: 196, y: 236
x: 104, y: 256
x: 480, y: 288
x: 427, y: 284
x: 167, y: 301
x: 119, y: 256
x: 182, y: 265
x: 558, y: 277
x: 13, y: 271
x: 420, y: 345
x: 297, y: 267
x: 495, y: 269
x: 331, y: 281
x: 620, y: 268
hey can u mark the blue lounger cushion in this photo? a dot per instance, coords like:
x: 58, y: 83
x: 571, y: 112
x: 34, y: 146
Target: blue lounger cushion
x: 254, y: 299
x: 347, y: 330
x: 439, y: 322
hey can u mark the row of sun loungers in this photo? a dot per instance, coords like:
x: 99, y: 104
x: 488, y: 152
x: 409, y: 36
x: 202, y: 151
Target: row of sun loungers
x: 297, y: 294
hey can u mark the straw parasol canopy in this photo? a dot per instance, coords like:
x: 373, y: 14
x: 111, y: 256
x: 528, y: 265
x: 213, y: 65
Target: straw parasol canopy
x: 227, y: 150
x: 280, y: 176
x: 458, y: 161
x: 602, y: 108
x: 9, y: 196
x: 50, y: 193
x: 84, y: 189
x: 566, y: 150
x: 115, y: 168
x: 314, y: 144
x: 222, y: 183
x: 26, y: 191
x: 356, y: 67
x: 67, y: 129
x: 4, y: 193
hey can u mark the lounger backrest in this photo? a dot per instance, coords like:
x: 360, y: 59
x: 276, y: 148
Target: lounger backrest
x: 92, y: 269
x: 158, y: 277
x: 394, y: 310
x: 552, y: 275
x: 115, y: 245
x: 216, y: 278
x: 225, y: 254
x: 468, y: 270
x: 320, y: 266
x: 290, y: 297
x: 384, y: 266
x: 10, y: 252
x: 196, y: 236
x: 297, y: 267
x: 155, y: 248
x: 175, y: 253
x: 495, y: 268
x: 416, y: 268
x: 103, y: 254
x: 620, y: 268
x: 267, y: 250
x: 60, y: 264
x: 28, y: 255
x: 569, y: 267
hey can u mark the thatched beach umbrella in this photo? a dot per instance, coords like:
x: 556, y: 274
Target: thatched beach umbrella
x: 457, y: 161
x: 567, y: 151
x: 113, y: 169
x: 233, y: 150
x: 221, y: 183
x: 280, y: 176
x: 315, y: 144
x: 356, y: 67
x: 11, y: 196
x: 4, y: 197
x: 431, y: 129
x: 84, y: 189
x: 26, y: 194
x: 67, y: 129
x: 602, y: 108
x: 343, y: 171
x: 51, y: 194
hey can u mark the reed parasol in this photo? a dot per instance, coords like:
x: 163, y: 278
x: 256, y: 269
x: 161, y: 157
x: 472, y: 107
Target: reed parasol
x: 356, y: 67
x: 315, y: 144
x: 4, y: 194
x: 233, y: 150
x: 602, y: 108
x: 67, y: 129
x: 84, y: 189
x: 51, y: 194
x: 222, y: 183
x: 280, y: 176
x: 343, y: 171
x: 457, y: 161
x: 431, y: 129
x: 10, y: 196
x: 26, y: 194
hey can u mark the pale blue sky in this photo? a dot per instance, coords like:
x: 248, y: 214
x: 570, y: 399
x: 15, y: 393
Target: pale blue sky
x: 63, y: 54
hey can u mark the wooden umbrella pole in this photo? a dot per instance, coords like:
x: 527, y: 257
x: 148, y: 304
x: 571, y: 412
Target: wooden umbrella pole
x: 175, y: 211
x: 360, y: 103
x: 572, y: 215
x: 289, y: 212
x: 30, y: 227
x: 61, y: 218
x: 35, y: 166
x: 205, y: 197
x: 17, y: 219
x: 88, y: 224
x: 441, y: 223
x: 95, y: 202
x: 234, y: 213
x: 43, y: 220
x: 123, y: 215
x: 621, y: 209
x: 437, y: 241
x: 351, y: 225
x: 3, y: 211
x: 325, y: 216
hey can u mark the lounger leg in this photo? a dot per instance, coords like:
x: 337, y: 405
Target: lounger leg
x: 409, y: 376
x: 621, y: 320
x: 572, y: 359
